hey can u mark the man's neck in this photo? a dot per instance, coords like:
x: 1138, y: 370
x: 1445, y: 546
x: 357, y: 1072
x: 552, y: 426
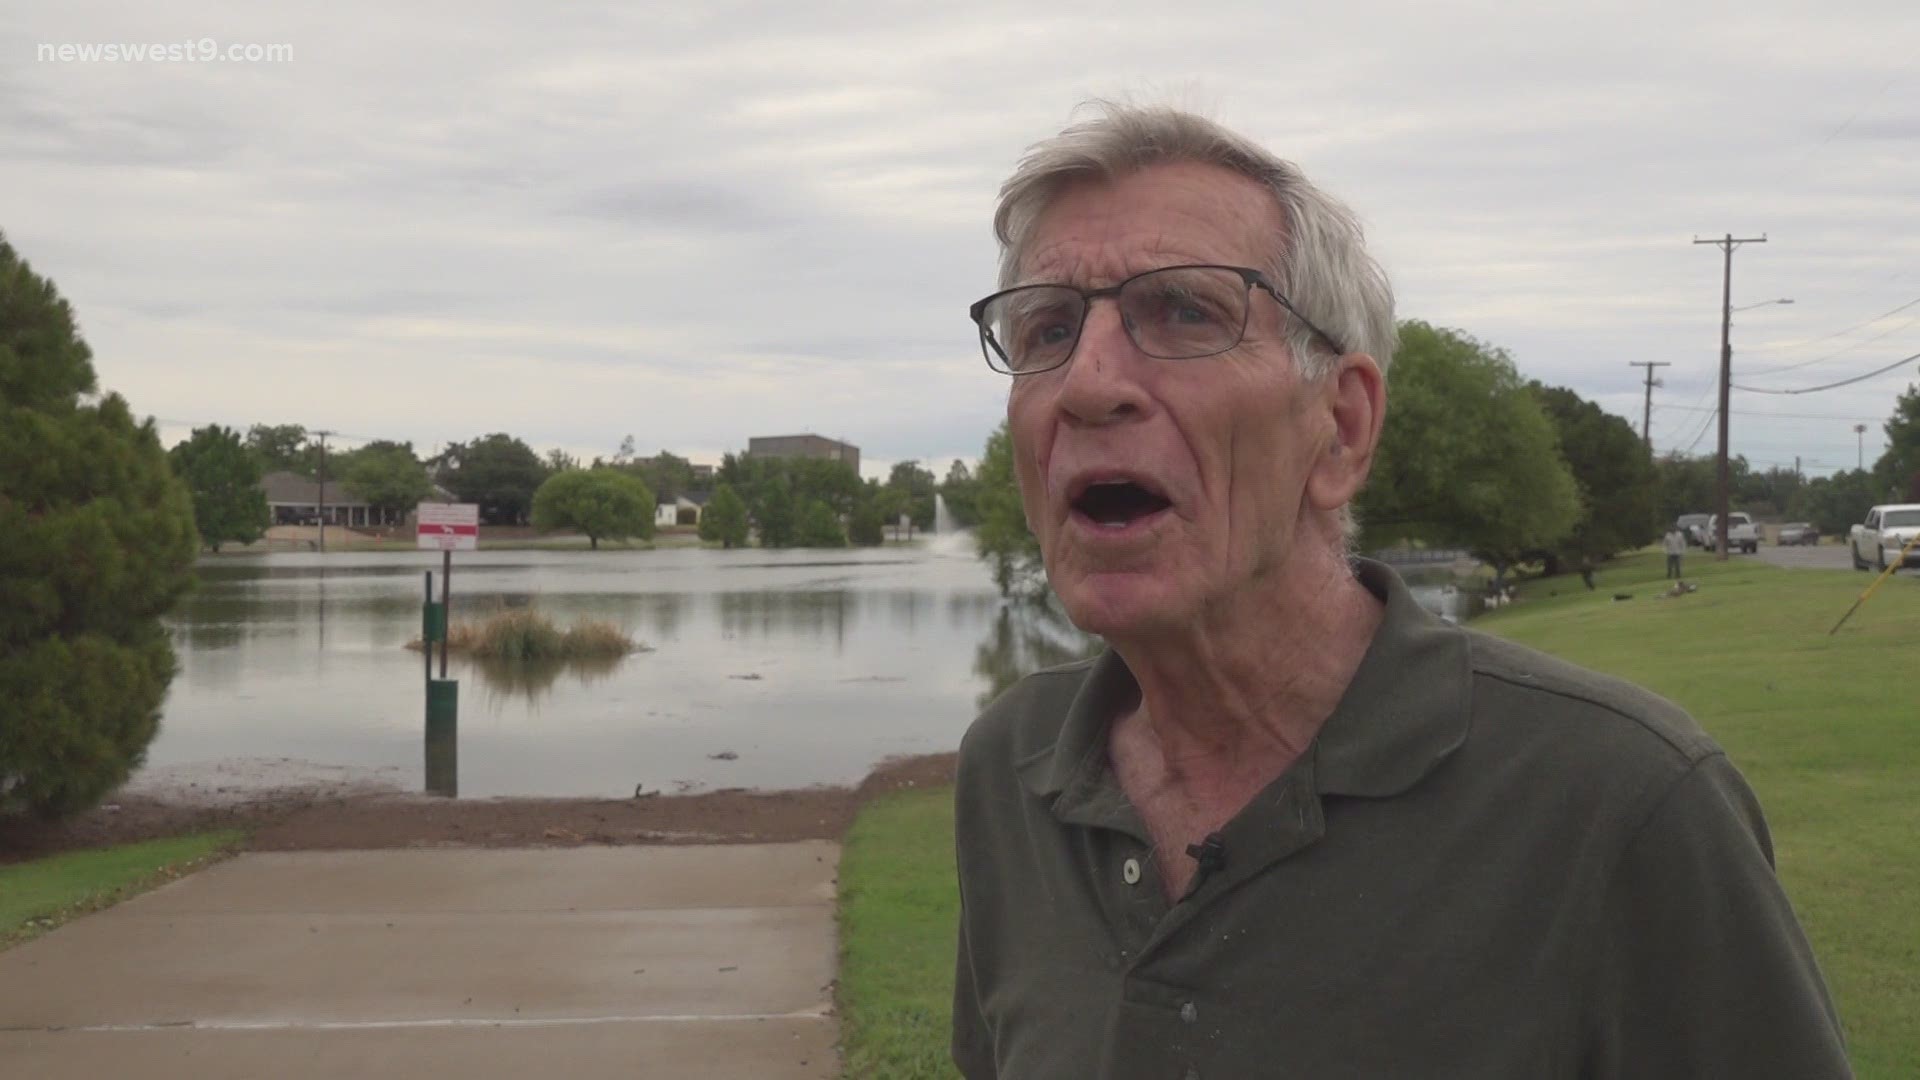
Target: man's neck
x: 1229, y: 703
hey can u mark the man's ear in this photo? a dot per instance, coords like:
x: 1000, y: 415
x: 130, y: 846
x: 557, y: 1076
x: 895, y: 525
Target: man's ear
x: 1355, y: 400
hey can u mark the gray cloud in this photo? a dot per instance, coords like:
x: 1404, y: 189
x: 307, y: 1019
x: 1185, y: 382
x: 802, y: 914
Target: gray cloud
x: 699, y: 222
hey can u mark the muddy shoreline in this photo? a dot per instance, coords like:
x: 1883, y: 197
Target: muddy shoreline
x: 353, y: 813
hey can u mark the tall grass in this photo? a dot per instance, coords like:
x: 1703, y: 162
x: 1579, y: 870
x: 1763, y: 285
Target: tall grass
x: 522, y: 635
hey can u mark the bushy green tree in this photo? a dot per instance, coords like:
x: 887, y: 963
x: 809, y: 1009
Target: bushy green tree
x: 1002, y: 538
x: 387, y: 475
x: 498, y: 472
x: 1617, y: 482
x: 961, y: 491
x: 817, y: 527
x: 1467, y: 458
x: 725, y: 518
x: 1835, y: 504
x: 96, y: 544
x: 776, y: 516
x: 604, y: 504
x: 229, y: 506
x: 917, y: 483
x: 284, y: 448
x: 868, y: 527
x: 1897, y: 472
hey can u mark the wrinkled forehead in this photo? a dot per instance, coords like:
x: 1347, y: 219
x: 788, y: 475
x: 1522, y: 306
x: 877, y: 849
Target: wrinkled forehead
x: 1095, y: 230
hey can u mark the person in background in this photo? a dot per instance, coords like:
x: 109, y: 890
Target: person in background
x: 1676, y: 547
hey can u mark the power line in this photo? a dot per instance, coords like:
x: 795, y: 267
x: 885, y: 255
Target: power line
x: 1833, y: 385
x: 1889, y: 332
x: 1836, y: 333
x: 1763, y: 415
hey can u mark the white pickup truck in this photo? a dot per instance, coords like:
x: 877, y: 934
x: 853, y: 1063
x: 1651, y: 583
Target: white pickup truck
x: 1741, y: 533
x: 1886, y: 530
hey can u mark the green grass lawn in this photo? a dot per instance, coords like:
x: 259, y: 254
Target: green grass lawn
x: 1826, y: 729
x: 39, y: 895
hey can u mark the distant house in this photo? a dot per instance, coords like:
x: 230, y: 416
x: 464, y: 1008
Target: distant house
x: 703, y: 475
x: 804, y: 446
x: 295, y: 500
x: 680, y: 510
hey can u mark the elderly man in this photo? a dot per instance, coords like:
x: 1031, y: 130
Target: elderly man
x: 1289, y: 825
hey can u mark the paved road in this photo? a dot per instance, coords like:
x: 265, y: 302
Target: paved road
x: 594, y: 962
x: 1814, y: 557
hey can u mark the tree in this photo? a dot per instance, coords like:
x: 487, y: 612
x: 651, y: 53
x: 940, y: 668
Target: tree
x: 775, y: 517
x: 283, y: 448
x: 960, y: 490
x: 387, y: 475
x: 1834, y: 504
x: 725, y: 518
x: 229, y: 505
x: 1002, y: 538
x: 918, y: 484
x: 605, y: 504
x: 669, y: 475
x: 1897, y: 472
x: 1617, y: 482
x: 1467, y: 458
x: 499, y: 472
x: 98, y: 544
x: 818, y: 527
x: 868, y: 526
x: 559, y: 461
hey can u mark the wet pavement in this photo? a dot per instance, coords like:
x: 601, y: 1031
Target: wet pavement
x: 688, y: 961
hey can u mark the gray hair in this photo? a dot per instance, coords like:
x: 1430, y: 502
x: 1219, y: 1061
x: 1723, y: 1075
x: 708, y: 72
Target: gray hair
x: 1319, y: 262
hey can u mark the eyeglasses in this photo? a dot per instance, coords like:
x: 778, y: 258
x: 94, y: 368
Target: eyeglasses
x: 1173, y: 313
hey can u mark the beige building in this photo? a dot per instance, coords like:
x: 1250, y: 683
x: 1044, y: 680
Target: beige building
x: 804, y: 446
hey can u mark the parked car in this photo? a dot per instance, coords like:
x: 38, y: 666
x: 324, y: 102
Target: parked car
x: 1798, y: 532
x: 1690, y: 526
x: 1741, y: 533
x: 1885, y: 532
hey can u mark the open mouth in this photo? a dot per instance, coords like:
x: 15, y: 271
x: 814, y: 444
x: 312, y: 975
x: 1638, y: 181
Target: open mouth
x: 1116, y: 504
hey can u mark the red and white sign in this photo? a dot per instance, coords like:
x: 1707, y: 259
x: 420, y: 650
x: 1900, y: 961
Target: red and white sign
x: 447, y: 526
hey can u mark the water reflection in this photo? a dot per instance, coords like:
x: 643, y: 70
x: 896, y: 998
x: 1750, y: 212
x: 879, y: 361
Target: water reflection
x: 1026, y: 637
x: 531, y: 679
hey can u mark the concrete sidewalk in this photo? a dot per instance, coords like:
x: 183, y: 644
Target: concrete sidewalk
x: 583, y: 962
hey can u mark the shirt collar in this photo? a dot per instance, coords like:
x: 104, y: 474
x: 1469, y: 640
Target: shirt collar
x: 1407, y: 709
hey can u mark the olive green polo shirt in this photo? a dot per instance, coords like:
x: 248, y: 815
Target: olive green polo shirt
x: 1488, y: 864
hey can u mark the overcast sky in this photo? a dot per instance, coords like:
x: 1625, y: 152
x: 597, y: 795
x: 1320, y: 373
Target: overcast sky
x: 694, y: 223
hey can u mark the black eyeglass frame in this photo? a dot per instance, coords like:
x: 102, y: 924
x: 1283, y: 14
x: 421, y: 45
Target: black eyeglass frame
x: 1254, y: 279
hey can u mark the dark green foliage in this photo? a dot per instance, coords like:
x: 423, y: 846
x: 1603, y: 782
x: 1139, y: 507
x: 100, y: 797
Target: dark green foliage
x: 818, y: 527
x: 918, y: 485
x: 776, y: 516
x: 725, y: 519
x: 605, y: 504
x: 1897, y: 473
x: 98, y: 543
x: 867, y: 527
x: 386, y: 474
x: 962, y: 492
x: 668, y: 475
x: 498, y: 472
x: 1835, y: 504
x: 1002, y: 538
x: 1467, y: 458
x: 1618, y: 485
x: 284, y: 448
x: 228, y: 503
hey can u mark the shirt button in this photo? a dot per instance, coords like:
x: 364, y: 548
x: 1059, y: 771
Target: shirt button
x: 1130, y: 871
x: 1188, y: 1014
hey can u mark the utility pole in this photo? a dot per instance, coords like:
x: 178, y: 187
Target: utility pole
x: 1860, y: 446
x: 1722, y: 496
x: 323, y: 436
x: 1646, y: 417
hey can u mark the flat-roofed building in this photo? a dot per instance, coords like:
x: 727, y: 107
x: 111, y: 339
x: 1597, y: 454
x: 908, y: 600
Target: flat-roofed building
x: 804, y: 446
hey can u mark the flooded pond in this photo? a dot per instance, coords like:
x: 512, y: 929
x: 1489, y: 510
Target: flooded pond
x: 768, y: 668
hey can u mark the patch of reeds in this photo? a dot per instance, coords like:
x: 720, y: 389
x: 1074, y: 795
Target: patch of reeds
x: 522, y: 634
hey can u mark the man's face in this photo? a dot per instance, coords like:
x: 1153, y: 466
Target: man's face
x: 1218, y: 450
